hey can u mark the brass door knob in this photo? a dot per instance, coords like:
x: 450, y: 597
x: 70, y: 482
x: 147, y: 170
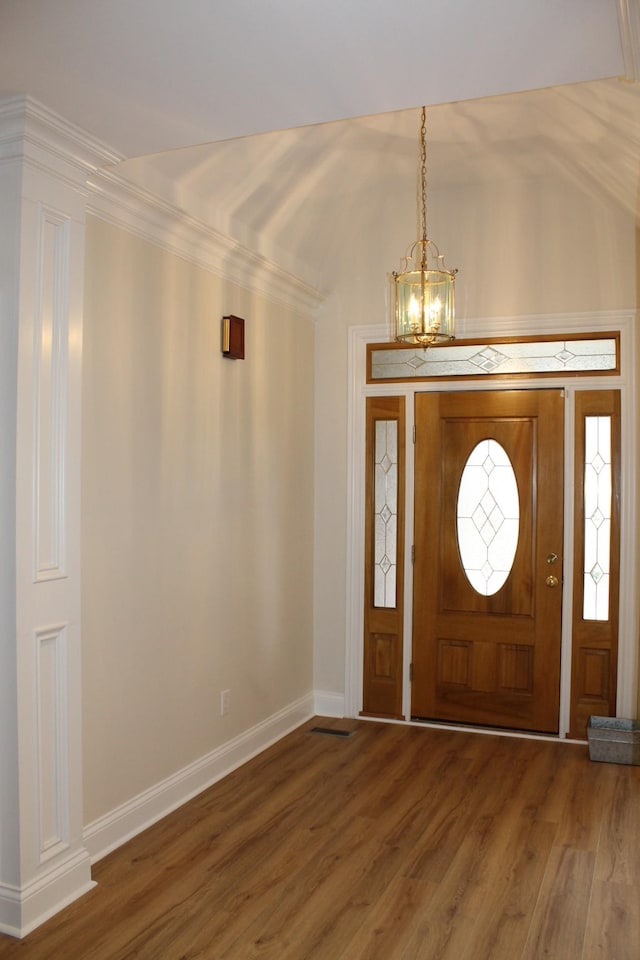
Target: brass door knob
x: 552, y: 581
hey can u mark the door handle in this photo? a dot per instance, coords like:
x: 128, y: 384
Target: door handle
x: 552, y: 581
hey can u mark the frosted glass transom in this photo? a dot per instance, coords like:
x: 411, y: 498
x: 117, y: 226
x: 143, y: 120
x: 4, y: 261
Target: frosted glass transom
x: 488, y: 517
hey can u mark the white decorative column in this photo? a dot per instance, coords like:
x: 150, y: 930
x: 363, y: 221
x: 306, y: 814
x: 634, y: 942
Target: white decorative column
x: 44, y: 163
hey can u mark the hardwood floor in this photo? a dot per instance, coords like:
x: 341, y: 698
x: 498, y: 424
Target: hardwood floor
x: 397, y: 843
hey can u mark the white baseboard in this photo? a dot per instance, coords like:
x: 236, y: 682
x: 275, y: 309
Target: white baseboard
x: 116, y: 827
x: 25, y: 908
x: 328, y: 704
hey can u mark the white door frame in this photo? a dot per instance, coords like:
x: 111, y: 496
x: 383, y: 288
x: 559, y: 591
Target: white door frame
x: 359, y: 337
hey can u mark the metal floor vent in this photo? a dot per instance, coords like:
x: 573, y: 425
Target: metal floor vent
x: 332, y: 732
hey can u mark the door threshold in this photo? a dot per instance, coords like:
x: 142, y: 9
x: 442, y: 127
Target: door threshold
x: 463, y: 728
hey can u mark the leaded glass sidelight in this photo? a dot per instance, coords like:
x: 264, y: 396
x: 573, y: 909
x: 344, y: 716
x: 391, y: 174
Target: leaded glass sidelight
x: 385, y: 493
x: 597, y: 517
x: 488, y: 517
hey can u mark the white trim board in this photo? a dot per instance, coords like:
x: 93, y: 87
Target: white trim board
x: 359, y: 336
x: 329, y: 704
x: 131, y: 818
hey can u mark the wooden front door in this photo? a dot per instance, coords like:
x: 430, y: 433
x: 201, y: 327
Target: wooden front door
x: 487, y: 614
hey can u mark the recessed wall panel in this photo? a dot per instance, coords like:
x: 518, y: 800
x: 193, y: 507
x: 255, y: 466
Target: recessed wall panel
x: 50, y: 334
x: 51, y: 729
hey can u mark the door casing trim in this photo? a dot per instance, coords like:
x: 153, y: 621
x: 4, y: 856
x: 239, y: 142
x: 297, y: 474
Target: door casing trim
x: 359, y: 336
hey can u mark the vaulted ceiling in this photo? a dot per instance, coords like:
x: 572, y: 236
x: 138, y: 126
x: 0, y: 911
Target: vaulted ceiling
x: 257, y: 115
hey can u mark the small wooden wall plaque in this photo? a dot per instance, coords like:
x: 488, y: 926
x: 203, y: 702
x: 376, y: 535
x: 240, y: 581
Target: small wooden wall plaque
x: 233, y: 337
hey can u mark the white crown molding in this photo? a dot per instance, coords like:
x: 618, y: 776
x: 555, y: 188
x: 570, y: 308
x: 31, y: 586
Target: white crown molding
x: 45, y: 141
x: 629, y: 21
x: 31, y: 132
x: 132, y: 208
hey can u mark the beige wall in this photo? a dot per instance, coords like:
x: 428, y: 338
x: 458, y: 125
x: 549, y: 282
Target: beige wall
x: 199, y: 523
x: 523, y: 247
x: 637, y: 491
x: 197, y: 519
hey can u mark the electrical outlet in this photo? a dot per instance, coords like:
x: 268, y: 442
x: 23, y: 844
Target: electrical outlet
x: 225, y: 702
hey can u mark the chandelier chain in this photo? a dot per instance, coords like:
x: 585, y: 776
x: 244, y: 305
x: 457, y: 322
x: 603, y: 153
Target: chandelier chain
x: 423, y: 174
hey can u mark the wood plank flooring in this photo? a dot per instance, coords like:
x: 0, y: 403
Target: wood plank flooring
x: 398, y: 843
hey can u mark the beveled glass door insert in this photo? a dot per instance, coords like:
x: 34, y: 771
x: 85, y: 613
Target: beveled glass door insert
x: 488, y: 517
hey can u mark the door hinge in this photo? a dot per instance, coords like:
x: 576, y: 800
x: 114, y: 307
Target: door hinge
x: 413, y: 553
x: 410, y: 673
x: 414, y: 433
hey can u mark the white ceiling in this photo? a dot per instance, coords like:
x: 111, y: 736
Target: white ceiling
x: 278, y: 114
x: 304, y: 196
x: 152, y: 75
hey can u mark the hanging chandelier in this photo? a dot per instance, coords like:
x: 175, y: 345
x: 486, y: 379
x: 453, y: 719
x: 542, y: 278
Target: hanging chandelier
x: 422, y: 291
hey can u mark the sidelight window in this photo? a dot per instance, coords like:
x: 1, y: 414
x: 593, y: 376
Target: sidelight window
x: 597, y: 518
x: 386, y: 513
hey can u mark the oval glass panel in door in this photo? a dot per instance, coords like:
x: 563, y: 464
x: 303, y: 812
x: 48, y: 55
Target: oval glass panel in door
x: 488, y: 517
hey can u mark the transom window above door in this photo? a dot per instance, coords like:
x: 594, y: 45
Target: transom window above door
x: 550, y: 356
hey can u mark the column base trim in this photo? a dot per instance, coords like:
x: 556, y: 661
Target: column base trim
x: 22, y: 909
